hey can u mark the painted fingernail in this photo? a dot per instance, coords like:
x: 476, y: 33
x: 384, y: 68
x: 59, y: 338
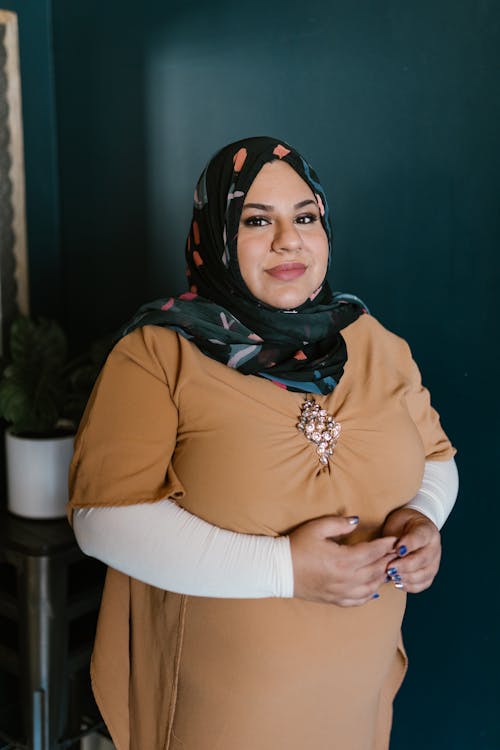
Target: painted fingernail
x: 399, y: 585
x: 376, y: 596
x: 402, y: 550
x: 392, y: 571
x: 353, y: 520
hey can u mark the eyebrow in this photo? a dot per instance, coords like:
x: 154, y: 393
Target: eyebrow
x: 267, y: 207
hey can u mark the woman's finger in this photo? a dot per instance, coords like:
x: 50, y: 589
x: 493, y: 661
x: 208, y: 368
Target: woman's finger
x: 424, y: 557
x: 420, y: 582
x: 416, y: 536
x: 364, y: 554
x: 417, y: 572
x: 357, y: 602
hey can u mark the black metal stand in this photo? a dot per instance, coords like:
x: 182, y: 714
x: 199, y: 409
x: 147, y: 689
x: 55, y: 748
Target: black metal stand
x: 49, y: 599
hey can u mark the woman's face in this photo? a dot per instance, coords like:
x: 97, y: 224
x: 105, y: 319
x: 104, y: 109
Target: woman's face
x: 282, y: 245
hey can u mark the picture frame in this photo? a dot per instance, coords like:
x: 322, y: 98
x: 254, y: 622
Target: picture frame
x: 14, y: 290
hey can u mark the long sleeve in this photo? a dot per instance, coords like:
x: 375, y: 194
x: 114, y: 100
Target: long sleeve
x: 438, y: 491
x: 165, y: 546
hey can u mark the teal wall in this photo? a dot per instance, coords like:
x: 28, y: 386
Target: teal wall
x: 397, y: 104
x: 40, y: 146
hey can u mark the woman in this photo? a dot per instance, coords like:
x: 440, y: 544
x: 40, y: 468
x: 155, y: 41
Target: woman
x: 261, y: 468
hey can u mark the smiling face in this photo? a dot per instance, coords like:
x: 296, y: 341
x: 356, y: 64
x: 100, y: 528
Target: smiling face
x: 282, y: 245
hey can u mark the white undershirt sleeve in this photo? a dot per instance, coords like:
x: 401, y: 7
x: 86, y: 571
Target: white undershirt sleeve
x: 168, y: 547
x: 438, y: 491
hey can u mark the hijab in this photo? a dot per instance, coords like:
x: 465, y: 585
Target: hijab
x: 301, y: 349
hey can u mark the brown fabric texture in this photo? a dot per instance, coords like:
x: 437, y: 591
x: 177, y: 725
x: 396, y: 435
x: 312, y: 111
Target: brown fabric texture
x: 197, y: 673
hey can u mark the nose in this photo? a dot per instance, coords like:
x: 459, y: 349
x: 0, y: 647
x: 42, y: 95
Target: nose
x: 286, y: 238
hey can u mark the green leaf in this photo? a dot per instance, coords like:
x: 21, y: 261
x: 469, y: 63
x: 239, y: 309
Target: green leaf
x: 39, y: 386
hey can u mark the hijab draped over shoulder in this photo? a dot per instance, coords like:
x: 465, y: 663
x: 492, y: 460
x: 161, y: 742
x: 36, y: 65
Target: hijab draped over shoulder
x: 300, y: 349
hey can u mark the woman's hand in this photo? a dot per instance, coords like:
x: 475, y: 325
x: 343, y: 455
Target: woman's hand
x: 418, y: 548
x: 333, y: 573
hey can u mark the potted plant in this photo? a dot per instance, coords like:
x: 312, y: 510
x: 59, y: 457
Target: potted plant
x: 42, y: 397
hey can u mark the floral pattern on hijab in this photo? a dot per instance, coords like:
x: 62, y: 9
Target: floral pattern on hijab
x: 300, y: 350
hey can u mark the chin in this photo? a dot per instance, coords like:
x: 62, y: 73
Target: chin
x: 287, y: 303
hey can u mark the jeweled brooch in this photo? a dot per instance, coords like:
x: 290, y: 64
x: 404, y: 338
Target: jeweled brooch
x: 319, y: 427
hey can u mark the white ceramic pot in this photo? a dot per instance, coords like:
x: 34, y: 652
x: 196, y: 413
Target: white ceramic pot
x: 37, y: 475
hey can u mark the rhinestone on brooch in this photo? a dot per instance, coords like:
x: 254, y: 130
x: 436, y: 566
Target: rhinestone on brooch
x: 318, y: 427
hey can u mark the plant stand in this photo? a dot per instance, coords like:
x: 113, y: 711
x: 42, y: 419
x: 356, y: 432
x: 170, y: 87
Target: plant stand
x: 49, y: 598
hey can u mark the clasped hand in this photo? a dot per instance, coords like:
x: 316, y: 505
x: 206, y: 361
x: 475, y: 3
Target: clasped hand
x: 325, y: 570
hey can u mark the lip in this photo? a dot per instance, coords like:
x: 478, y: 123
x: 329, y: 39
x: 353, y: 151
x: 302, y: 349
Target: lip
x: 287, y: 271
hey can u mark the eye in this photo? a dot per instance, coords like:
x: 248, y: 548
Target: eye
x: 307, y: 218
x: 255, y: 221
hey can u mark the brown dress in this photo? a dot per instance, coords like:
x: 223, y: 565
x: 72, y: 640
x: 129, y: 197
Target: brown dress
x: 172, y: 671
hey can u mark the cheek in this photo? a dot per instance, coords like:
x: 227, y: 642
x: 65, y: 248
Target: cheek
x: 246, y: 260
x: 241, y: 253
x: 322, y: 256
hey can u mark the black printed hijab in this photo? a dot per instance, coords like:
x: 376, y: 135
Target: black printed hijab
x: 301, y: 349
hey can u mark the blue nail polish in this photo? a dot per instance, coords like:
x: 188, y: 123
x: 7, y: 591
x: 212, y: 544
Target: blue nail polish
x: 392, y: 571
x: 353, y: 520
x: 397, y: 578
x: 376, y: 596
x: 398, y: 585
x: 402, y: 550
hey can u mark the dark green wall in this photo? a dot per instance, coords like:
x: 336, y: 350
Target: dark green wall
x: 40, y: 146
x: 397, y: 105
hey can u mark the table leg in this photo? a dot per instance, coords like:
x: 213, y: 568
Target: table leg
x: 42, y: 593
